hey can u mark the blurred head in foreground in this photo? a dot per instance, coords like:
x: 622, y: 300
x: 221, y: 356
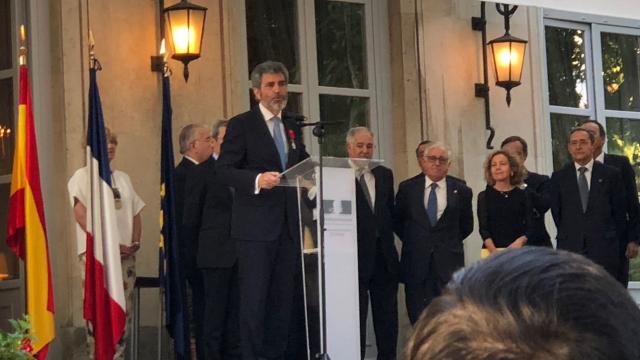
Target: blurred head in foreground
x: 531, y: 303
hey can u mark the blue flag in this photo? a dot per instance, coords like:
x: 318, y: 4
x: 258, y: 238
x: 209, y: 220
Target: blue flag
x: 170, y: 272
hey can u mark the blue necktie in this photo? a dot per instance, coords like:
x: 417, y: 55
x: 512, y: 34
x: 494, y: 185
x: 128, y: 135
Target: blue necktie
x: 280, y: 145
x: 432, y: 205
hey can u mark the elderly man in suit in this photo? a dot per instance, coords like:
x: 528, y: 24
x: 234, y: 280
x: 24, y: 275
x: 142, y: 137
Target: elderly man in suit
x: 377, y: 255
x: 433, y: 216
x: 537, y: 185
x: 207, y: 220
x: 258, y: 146
x: 195, y: 147
x: 588, y: 205
x: 628, y: 248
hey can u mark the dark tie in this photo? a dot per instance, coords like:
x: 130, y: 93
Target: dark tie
x: 280, y: 145
x: 432, y: 205
x: 583, y: 186
x: 365, y: 190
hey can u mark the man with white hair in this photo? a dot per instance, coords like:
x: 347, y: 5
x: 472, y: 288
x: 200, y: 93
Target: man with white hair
x: 433, y: 216
x: 195, y: 147
x: 377, y: 255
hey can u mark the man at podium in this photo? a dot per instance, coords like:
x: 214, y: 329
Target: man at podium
x: 259, y: 145
x: 377, y: 255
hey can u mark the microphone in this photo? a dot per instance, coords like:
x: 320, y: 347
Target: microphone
x: 297, y: 117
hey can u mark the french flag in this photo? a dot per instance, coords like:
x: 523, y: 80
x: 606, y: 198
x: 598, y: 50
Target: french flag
x: 104, y: 302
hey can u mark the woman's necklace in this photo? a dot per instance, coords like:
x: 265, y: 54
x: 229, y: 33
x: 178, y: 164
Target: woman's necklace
x: 117, y: 197
x: 504, y: 192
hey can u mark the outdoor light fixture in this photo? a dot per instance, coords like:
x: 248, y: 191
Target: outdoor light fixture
x: 186, y: 28
x: 508, y: 54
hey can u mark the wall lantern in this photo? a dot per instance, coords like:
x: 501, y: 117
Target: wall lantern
x: 507, y: 55
x: 186, y: 28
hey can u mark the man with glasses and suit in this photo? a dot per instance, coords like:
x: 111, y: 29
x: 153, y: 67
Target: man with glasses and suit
x: 433, y: 216
x: 588, y: 205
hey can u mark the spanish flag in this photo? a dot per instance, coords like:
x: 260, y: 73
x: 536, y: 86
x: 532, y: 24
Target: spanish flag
x: 26, y: 230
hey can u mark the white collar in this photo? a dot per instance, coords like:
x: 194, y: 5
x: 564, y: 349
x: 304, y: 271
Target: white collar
x: 190, y: 159
x: 588, y: 165
x: 441, y: 183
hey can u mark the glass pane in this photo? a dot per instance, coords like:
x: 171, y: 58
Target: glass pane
x: 566, y: 67
x: 9, y: 266
x: 5, y: 35
x: 621, y: 72
x: 341, y: 41
x: 272, y: 34
x: 561, y: 125
x: 294, y: 103
x: 349, y: 112
x: 623, y: 138
x: 6, y: 125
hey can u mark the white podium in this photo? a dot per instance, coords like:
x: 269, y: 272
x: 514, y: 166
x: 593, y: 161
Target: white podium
x: 340, y: 295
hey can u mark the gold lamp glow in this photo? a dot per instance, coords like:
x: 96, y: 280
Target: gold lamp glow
x: 186, y: 28
x: 508, y: 58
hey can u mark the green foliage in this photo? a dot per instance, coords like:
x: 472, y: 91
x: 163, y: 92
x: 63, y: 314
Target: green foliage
x: 16, y: 345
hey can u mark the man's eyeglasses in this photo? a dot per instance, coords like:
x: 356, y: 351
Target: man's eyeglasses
x: 437, y: 159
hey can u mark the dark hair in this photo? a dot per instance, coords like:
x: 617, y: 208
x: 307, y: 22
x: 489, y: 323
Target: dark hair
x: 603, y: 133
x: 592, y: 136
x: 419, y: 148
x: 517, y: 170
x: 532, y: 303
x: 267, y: 67
x: 514, y: 138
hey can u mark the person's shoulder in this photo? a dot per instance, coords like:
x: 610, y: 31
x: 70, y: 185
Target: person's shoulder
x: 534, y: 178
x: 608, y: 169
x: 78, y: 176
x: 615, y: 158
x: 457, y: 183
x: 411, y: 181
x: 383, y: 170
x: 121, y: 174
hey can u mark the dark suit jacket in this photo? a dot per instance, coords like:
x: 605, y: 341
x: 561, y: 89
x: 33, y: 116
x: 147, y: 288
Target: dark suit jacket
x: 248, y: 150
x: 631, y: 193
x: 420, y: 239
x: 598, y: 231
x: 207, y: 217
x: 538, y: 186
x: 375, y: 228
x: 186, y: 241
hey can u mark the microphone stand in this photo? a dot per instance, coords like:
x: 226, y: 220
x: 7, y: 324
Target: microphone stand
x: 319, y: 132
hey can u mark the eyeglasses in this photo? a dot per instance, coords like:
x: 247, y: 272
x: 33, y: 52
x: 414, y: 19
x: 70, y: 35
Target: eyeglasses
x: 581, y: 142
x: 436, y: 159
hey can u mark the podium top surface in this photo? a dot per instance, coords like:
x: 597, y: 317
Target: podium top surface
x: 305, y: 170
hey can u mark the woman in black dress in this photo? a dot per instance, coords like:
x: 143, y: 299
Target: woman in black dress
x: 504, y: 209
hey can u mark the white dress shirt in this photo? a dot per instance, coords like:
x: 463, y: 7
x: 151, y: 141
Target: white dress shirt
x: 441, y: 193
x: 587, y: 173
x: 369, y: 179
x: 268, y: 118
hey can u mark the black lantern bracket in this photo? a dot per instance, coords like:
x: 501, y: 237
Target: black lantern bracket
x: 482, y: 89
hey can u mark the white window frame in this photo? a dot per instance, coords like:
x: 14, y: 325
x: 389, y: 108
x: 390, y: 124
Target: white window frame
x: 378, y: 90
x: 594, y: 26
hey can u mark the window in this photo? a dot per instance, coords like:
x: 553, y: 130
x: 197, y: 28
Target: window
x: 328, y: 47
x: 593, y: 72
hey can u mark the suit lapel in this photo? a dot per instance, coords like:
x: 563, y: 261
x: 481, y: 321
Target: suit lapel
x: 452, y: 197
x: 596, y: 183
x: 418, y: 203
